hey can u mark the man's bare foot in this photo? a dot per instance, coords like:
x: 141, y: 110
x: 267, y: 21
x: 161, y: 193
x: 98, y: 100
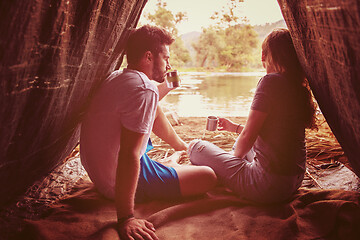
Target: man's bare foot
x: 173, y: 160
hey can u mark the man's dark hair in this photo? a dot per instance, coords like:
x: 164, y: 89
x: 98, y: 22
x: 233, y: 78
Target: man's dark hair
x: 146, y: 38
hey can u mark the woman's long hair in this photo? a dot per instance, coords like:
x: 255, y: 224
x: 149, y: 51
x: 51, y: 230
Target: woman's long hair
x: 278, y: 50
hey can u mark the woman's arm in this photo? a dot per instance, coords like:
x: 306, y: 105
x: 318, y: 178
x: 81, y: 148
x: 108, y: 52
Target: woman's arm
x: 249, y: 133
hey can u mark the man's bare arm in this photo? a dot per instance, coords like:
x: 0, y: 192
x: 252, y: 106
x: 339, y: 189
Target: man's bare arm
x: 127, y: 174
x: 164, y: 89
x: 163, y: 129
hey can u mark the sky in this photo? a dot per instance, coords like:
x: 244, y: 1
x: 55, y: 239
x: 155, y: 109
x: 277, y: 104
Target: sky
x: 200, y: 11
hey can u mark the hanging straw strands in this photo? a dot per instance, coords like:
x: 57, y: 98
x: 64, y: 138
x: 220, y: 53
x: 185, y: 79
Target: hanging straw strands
x: 322, y: 147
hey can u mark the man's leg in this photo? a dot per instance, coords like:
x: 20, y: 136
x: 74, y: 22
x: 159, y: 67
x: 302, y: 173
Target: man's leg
x: 156, y: 181
x: 193, y: 179
x: 171, y: 180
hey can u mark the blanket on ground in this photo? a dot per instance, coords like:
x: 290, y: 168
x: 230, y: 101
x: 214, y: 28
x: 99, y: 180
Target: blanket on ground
x: 310, y: 214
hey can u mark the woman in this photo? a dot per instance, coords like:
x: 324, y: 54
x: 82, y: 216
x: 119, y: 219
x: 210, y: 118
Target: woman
x: 267, y: 163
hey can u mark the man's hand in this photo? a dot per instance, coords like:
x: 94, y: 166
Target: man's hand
x: 137, y: 229
x: 163, y: 89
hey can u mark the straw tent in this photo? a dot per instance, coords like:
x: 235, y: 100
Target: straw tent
x: 53, y: 55
x: 326, y: 35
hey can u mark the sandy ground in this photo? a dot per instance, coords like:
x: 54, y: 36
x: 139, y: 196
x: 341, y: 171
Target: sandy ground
x: 191, y: 128
x: 327, y: 166
x: 322, y: 146
x: 325, y: 160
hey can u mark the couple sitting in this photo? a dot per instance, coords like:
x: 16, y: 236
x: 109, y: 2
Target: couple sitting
x: 267, y: 163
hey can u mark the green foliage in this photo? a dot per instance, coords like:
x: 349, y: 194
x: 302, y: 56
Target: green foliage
x: 166, y: 19
x: 240, y: 41
x: 179, y: 54
x: 228, y: 44
x: 208, y: 46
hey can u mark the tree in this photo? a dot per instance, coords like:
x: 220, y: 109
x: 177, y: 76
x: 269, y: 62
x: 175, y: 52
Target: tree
x: 166, y: 19
x: 228, y: 16
x: 208, y: 46
x: 229, y: 43
x: 240, y: 41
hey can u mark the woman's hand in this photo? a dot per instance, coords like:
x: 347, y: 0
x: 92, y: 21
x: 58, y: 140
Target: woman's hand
x: 227, y: 125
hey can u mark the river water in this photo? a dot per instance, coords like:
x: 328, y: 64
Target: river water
x: 220, y: 94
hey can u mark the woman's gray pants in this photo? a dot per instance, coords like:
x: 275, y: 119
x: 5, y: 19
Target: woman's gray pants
x: 246, y: 177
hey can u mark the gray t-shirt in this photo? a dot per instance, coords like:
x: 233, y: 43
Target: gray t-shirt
x: 280, y: 146
x: 126, y: 99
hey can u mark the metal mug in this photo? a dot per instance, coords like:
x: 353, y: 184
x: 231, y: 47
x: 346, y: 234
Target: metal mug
x: 211, y: 123
x: 172, y: 79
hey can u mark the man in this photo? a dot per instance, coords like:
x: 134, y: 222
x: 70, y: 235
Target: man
x: 116, y: 129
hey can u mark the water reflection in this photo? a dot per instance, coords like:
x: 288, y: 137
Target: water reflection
x: 220, y: 94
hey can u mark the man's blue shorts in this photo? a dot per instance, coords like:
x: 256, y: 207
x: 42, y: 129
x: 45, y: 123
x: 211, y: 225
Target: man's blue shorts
x: 156, y: 181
